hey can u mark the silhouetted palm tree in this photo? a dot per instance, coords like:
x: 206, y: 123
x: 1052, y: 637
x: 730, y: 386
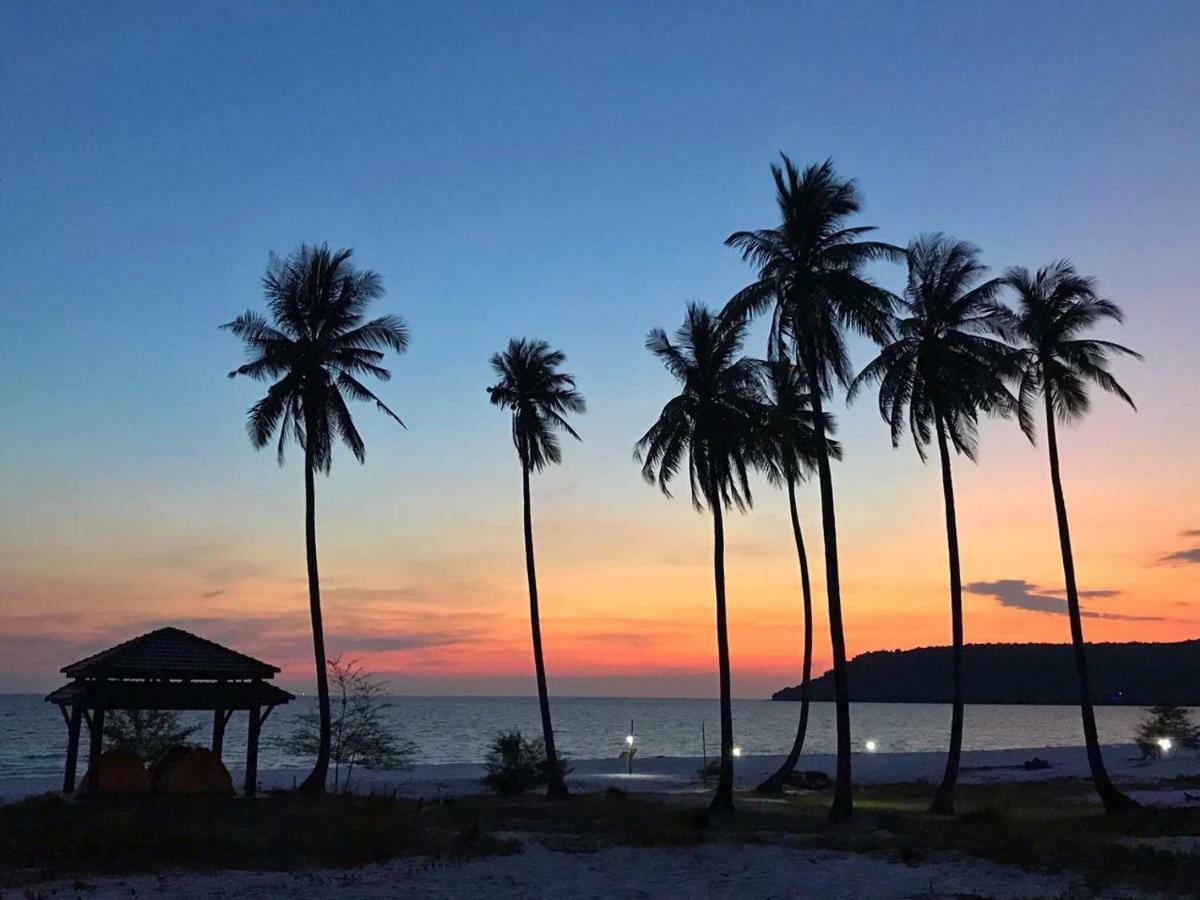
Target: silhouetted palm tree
x: 313, y: 351
x: 786, y: 452
x: 709, y: 428
x: 941, y: 371
x: 1055, y: 306
x: 540, y: 397
x: 810, y: 273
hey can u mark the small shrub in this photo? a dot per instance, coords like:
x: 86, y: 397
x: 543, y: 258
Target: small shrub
x: 146, y: 733
x: 1167, y: 722
x: 984, y: 815
x: 515, y: 765
x: 359, y: 734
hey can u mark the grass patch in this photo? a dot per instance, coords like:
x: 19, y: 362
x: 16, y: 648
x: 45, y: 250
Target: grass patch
x: 1047, y: 826
x: 47, y: 838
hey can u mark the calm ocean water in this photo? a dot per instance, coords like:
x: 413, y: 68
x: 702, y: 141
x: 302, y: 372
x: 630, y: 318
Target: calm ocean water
x: 457, y: 729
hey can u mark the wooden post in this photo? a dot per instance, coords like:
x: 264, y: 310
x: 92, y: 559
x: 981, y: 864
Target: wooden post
x: 252, y: 753
x: 218, y: 737
x: 74, y: 723
x: 95, y: 744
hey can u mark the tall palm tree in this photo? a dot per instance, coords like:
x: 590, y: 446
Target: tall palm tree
x: 539, y: 397
x: 313, y: 350
x: 787, y: 453
x: 709, y: 428
x: 1056, y: 305
x: 942, y: 370
x: 809, y: 271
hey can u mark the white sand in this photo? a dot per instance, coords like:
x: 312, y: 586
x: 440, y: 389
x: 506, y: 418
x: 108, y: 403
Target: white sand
x: 709, y: 871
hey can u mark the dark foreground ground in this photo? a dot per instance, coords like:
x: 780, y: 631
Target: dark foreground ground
x: 1044, y: 827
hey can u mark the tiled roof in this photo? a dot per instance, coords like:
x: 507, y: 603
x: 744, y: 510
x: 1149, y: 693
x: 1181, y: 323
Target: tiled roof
x: 170, y: 651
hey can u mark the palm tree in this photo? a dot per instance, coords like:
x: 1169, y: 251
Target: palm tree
x: 810, y: 273
x: 940, y: 372
x: 313, y: 350
x: 1055, y: 306
x: 712, y: 423
x: 540, y: 397
x: 787, y: 454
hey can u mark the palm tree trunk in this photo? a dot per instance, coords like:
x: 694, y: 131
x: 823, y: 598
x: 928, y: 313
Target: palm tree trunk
x: 943, y: 801
x: 843, y: 801
x: 774, y: 784
x: 1114, y: 800
x: 722, y: 800
x: 557, y: 787
x: 315, y: 782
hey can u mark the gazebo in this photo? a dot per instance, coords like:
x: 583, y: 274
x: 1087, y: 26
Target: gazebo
x: 167, y: 669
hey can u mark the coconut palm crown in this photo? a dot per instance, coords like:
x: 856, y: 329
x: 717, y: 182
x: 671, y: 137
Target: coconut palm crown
x: 810, y: 272
x: 947, y: 355
x: 314, y: 349
x: 1055, y: 305
x: 539, y: 396
x: 710, y: 426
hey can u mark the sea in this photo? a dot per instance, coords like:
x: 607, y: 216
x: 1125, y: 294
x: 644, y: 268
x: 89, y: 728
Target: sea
x: 458, y: 729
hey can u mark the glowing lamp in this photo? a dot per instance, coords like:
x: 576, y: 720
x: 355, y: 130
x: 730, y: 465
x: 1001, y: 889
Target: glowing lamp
x: 629, y: 739
x: 737, y: 751
x: 871, y: 746
x: 1164, y: 744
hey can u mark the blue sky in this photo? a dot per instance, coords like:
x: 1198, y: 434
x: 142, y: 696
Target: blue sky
x: 563, y: 170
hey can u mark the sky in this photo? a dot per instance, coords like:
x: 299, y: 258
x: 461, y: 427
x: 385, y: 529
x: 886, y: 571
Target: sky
x: 565, y: 171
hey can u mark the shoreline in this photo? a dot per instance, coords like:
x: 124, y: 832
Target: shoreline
x: 680, y: 774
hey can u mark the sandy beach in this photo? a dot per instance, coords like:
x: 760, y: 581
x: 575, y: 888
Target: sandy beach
x: 537, y: 871
x: 680, y: 774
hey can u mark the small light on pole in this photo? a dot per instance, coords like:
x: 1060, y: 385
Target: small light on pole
x: 630, y: 750
x: 737, y: 751
x: 871, y: 746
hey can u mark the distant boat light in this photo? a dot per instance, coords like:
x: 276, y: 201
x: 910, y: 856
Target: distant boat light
x: 871, y: 746
x: 1165, y: 744
x: 737, y: 751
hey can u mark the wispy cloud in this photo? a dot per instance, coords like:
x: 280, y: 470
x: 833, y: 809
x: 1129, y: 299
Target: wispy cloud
x: 1017, y: 593
x: 1189, y: 556
x: 1062, y: 592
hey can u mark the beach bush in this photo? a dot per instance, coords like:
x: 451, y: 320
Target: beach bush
x: 360, y: 737
x: 1172, y: 723
x: 146, y: 733
x: 515, y: 765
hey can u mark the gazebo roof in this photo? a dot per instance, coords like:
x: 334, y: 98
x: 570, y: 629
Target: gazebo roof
x: 169, y: 653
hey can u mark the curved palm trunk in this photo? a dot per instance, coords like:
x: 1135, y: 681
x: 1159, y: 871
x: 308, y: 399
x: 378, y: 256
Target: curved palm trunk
x: 774, y: 784
x: 315, y: 782
x: 843, y: 801
x: 943, y: 801
x: 722, y: 800
x: 557, y: 788
x: 1114, y: 800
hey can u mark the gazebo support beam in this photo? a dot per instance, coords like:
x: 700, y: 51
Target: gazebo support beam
x: 220, y: 718
x: 96, y: 742
x: 252, y: 753
x: 74, y: 723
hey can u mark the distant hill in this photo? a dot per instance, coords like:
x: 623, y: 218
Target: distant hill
x: 1132, y: 674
